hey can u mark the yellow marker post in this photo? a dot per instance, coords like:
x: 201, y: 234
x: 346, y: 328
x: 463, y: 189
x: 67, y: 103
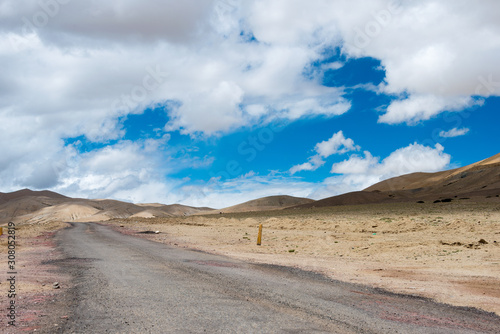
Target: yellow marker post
x: 259, y: 236
x: 1, y: 230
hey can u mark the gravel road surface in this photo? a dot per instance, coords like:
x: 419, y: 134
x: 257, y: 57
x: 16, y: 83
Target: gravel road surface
x: 127, y: 284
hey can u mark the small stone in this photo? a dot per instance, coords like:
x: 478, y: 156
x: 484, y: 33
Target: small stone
x: 482, y: 241
x: 56, y: 285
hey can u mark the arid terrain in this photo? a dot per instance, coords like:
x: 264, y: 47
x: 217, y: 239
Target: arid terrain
x: 445, y: 251
x: 38, y: 302
x: 430, y: 235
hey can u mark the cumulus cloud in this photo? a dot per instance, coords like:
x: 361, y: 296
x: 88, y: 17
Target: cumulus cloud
x: 355, y: 164
x: 356, y: 173
x: 244, y: 188
x: 444, y: 51
x: 454, y: 133
x: 97, y: 62
x: 98, y: 57
x: 73, y: 23
x: 341, y: 184
x: 211, y: 111
x: 361, y: 171
x: 419, y: 108
x: 337, y: 144
x: 106, y: 172
x: 75, y: 68
x: 412, y: 158
x: 292, y: 22
x: 314, y: 163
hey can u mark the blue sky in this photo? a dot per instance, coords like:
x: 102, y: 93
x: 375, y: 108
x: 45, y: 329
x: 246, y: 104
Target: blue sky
x: 227, y: 101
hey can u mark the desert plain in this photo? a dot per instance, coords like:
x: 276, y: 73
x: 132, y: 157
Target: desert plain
x: 448, y: 252
x: 431, y: 235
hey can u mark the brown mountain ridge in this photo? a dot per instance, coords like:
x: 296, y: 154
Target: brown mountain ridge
x: 268, y: 203
x: 42, y: 206
x: 479, y: 181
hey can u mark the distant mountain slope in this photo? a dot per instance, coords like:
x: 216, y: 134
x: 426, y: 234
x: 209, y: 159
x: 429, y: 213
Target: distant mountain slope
x: 183, y: 210
x: 265, y: 204
x: 39, y: 206
x: 6, y: 197
x: 479, y: 180
x: 352, y: 198
x: 172, y: 210
x: 480, y: 176
x: 24, y: 202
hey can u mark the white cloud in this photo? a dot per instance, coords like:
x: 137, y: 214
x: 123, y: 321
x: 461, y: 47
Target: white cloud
x: 360, y: 172
x: 355, y: 173
x: 77, y: 68
x: 112, y: 170
x: 70, y: 23
x: 430, y: 47
x: 88, y: 64
x: 314, y: 163
x: 185, y: 38
x: 355, y: 164
x: 337, y: 144
x: 333, y: 66
x: 445, y: 51
x: 412, y: 158
x: 292, y: 22
x: 219, y: 194
x: 342, y: 184
x: 454, y: 133
x: 305, y: 166
x: 418, y: 108
x: 211, y: 111
x: 97, y: 57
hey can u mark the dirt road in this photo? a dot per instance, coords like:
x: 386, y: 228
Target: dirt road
x: 126, y: 284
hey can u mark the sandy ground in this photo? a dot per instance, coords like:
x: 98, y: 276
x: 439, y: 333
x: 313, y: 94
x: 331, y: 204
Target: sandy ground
x: 448, y: 252
x: 38, y: 304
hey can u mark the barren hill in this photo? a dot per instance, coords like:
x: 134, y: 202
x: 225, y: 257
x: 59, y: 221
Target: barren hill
x: 265, y: 204
x: 39, y: 206
x: 352, y: 198
x: 6, y: 197
x: 478, y: 181
x: 25, y: 202
x: 172, y: 210
x: 475, y: 177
